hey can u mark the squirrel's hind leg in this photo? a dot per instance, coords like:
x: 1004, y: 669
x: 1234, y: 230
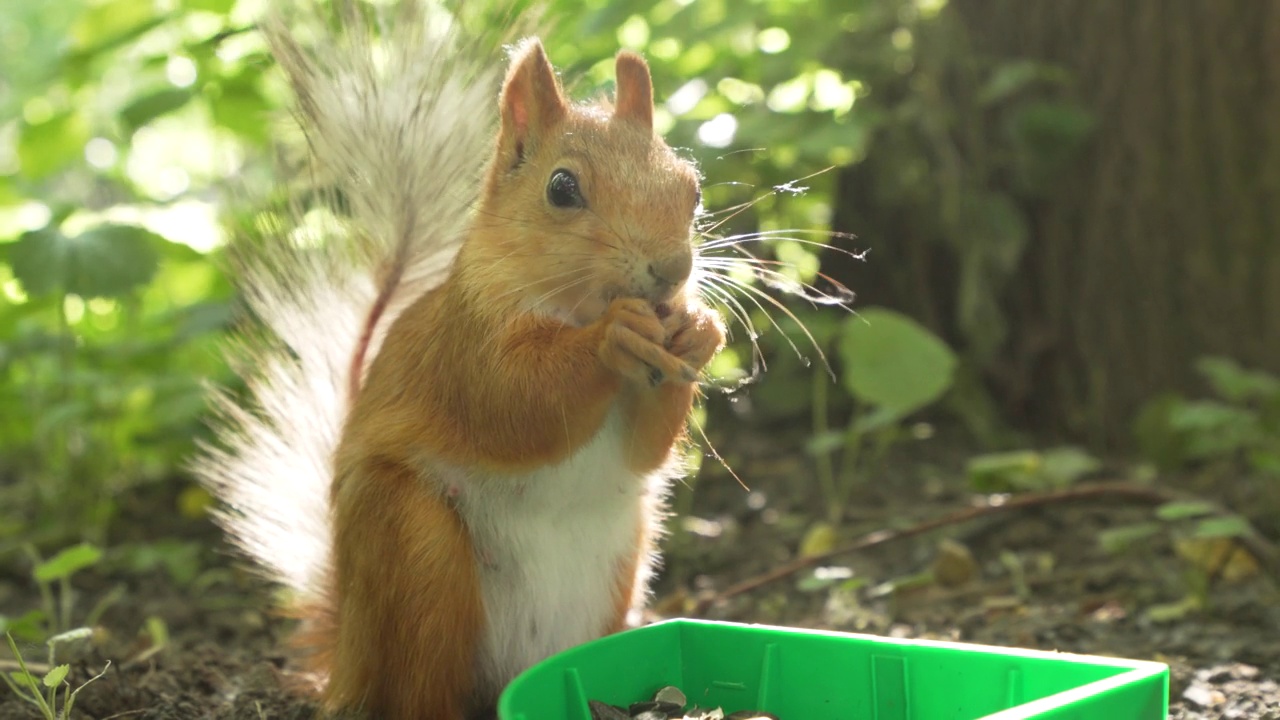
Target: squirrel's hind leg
x: 410, y: 614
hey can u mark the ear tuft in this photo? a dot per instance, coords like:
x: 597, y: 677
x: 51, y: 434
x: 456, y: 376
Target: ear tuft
x: 635, y: 89
x: 531, y: 101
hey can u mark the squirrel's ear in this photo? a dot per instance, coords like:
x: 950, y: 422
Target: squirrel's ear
x: 531, y: 100
x: 635, y: 89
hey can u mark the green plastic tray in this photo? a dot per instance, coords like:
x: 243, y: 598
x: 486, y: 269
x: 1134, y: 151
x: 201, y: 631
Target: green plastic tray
x: 812, y: 675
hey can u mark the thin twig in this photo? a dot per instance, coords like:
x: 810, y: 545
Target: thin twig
x: 35, y: 668
x: 1266, y: 553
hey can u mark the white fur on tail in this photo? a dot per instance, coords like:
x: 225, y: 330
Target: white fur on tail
x: 400, y: 123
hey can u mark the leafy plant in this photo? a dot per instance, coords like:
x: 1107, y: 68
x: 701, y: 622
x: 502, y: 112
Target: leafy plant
x: 892, y: 367
x: 42, y: 691
x: 1204, y: 537
x: 1022, y: 470
x: 1241, y: 424
x: 54, y: 615
x: 108, y: 309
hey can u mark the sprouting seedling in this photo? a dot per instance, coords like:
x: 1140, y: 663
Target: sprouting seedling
x: 59, y: 569
x: 42, y: 691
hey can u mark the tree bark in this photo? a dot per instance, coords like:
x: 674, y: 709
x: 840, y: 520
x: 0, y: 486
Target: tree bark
x: 1161, y: 244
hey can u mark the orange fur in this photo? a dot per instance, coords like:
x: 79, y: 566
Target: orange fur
x: 510, y: 366
x: 624, y: 591
x: 410, y: 606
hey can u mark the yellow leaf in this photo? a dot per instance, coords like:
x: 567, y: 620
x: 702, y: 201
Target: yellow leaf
x: 1221, y: 556
x: 194, y: 502
x: 821, y: 538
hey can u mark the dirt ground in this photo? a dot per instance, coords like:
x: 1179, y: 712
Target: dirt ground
x: 1036, y: 579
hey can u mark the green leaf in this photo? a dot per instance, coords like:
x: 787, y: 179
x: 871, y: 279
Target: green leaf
x: 893, y: 362
x: 1235, y: 383
x: 68, y: 562
x: 238, y: 105
x: 9, y: 195
x: 101, y: 22
x: 1029, y: 470
x: 222, y: 7
x: 149, y: 107
x: 1116, y: 539
x: 1046, y: 136
x: 1266, y: 461
x: 1011, y: 77
x: 54, y: 677
x: 877, y: 419
x: 1230, y: 526
x: 1063, y: 466
x: 1203, y: 415
x: 107, y: 261
x: 1214, y: 429
x: 1047, y: 126
x: 1183, y: 509
x: 48, y: 147
x: 1174, y: 611
x: 825, y: 443
x: 607, y: 18
x: 158, y: 630
x: 28, y: 626
x: 1155, y: 435
x: 62, y: 414
x: 1001, y: 472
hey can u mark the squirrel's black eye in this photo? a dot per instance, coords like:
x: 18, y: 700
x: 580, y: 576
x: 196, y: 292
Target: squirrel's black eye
x: 697, y: 197
x: 563, y: 190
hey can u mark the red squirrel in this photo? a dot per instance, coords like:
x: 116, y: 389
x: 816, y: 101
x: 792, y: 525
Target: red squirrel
x: 460, y: 443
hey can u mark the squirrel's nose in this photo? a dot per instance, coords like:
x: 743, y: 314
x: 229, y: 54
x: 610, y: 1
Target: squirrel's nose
x: 671, y: 272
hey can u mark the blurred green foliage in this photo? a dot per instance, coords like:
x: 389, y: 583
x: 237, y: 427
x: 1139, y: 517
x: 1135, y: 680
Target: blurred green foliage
x: 892, y: 367
x: 135, y: 137
x: 1239, y: 425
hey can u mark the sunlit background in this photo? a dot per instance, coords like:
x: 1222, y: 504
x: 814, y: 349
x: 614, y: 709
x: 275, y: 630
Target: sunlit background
x: 1059, y: 219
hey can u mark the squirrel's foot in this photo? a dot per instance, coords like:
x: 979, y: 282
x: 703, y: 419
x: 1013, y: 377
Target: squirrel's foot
x: 633, y: 345
x: 694, y: 333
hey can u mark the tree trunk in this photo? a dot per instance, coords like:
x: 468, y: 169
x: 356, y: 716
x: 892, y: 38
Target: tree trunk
x: 1161, y: 244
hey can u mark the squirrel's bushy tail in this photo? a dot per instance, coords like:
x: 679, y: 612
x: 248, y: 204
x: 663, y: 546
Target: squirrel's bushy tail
x: 397, y: 113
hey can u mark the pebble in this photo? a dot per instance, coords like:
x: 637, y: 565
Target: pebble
x: 668, y: 704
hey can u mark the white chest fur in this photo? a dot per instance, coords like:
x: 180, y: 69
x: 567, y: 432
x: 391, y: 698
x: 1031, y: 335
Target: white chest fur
x: 550, y: 545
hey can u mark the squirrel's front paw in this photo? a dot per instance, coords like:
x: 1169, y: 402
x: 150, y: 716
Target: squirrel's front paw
x: 633, y: 345
x: 694, y: 334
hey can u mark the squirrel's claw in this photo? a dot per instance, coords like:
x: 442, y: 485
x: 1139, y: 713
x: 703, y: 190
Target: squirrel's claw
x: 694, y: 335
x: 633, y: 345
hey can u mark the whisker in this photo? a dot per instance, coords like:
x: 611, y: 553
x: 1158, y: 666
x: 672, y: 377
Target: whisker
x: 521, y: 288
x: 716, y: 453
x: 742, y: 150
x: 780, y: 233
x: 736, y: 241
x: 729, y: 285
x: 780, y: 281
x: 561, y: 288
x: 725, y: 298
x: 723, y: 210
x: 790, y: 187
x: 757, y: 293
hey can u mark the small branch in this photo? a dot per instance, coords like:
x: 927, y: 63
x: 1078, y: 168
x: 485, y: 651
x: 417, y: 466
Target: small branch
x: 1267, y: 554
x: 217, y: 38
x: 35, y: 668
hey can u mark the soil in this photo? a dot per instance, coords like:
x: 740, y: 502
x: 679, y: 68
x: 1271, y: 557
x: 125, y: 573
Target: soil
x: 1035, y: 579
